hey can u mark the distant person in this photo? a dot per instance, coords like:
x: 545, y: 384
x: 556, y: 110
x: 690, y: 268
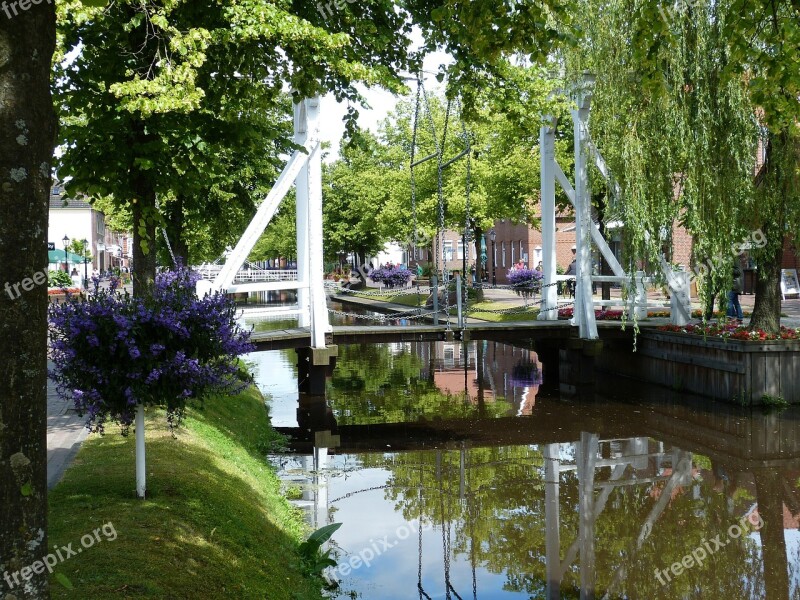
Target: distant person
x: 540, y: 267
x: 734, y: 308
x: 572, y: 270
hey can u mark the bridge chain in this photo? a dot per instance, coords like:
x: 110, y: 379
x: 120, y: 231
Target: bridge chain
x: 411, y: 291
x: 382, y: 318
x: 417, y: 313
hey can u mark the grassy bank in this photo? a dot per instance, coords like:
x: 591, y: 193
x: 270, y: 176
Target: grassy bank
x: 214, y: 524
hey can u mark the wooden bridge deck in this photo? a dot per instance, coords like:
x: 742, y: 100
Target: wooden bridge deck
x: 373, y: 334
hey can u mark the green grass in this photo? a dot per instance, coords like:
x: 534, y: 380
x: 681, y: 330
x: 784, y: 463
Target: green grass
x: 530, y: 315
x: 214, y: 525
x: 411, y: 300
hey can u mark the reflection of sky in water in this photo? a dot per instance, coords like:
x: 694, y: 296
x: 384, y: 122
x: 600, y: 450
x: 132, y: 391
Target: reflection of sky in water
x: 276, y: 377
x: 367, y: 517
x: 370, y: 515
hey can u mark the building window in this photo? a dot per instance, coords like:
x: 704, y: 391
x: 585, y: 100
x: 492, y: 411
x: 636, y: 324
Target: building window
x: 448, y: 250
x: 503, y: 253
x: 512, y: 253
x: 460, y: 251
x: 522, y: 255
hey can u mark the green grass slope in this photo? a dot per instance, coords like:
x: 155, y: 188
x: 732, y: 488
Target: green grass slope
x: 214, y: 525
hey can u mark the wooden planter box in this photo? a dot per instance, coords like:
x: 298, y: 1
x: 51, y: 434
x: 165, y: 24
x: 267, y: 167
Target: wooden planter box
x: 737, y: 371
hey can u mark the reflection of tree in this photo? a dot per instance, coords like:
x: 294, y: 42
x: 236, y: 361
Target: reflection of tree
x: 499, y: 522
x: 376, y: 384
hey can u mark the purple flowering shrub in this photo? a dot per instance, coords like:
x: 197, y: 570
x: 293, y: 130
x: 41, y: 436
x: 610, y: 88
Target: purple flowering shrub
x: 112, y: 351
x: 391, y: 276
x: 525, y: 281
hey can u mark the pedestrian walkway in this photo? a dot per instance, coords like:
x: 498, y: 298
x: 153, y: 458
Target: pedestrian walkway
x: 65, y: 432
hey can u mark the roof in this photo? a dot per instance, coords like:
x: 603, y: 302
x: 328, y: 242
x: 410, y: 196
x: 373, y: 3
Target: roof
x: 58, y: 201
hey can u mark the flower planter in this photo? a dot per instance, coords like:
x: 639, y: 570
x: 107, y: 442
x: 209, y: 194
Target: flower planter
x: 726, y: 369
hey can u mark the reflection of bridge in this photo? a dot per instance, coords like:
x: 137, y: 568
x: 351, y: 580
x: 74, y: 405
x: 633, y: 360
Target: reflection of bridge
x: 582, y: 439
x: 725, y: 436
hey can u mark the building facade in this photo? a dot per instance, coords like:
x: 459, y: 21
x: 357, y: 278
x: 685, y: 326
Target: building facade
x: 77, y: 219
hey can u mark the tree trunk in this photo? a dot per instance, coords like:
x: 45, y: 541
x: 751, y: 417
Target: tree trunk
x: 769, y: 494
x: 767, y: 309
x: 27, y: 136
x: 144, y: 236
x: 776, y: 183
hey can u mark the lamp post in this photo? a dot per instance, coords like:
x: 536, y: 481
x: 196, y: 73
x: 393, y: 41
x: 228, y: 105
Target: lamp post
x: 493, y: 237
x: 85, y: 264
x: 65, y: 241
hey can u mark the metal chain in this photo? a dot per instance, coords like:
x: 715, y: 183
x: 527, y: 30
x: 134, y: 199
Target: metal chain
x: 467, y: 207
x: 413, y: 179
x: 383, y: 318
x: 166, y: 238
x: 383, y: 293
x: 440, y: 192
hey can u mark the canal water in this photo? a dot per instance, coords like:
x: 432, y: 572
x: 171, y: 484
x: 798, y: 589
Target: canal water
x: 458, y: 471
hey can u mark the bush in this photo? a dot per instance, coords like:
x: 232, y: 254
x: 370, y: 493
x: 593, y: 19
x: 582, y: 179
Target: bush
x: 391, y: 276
x: 59, y: 279
x: 112, y: 351
x: 525, y: 281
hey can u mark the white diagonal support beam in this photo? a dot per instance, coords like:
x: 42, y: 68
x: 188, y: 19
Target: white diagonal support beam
x: 263, y: 216
x: 597, y: 236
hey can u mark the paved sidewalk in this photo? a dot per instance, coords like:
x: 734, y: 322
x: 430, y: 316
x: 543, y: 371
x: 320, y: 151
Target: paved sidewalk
x: 65, y: 432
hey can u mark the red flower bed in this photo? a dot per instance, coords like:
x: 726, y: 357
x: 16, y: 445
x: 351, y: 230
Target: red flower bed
x: 734, y: 332
x: 599, y: 315
x: 58, y: 291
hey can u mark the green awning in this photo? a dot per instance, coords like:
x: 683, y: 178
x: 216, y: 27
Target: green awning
x: 57, y: 256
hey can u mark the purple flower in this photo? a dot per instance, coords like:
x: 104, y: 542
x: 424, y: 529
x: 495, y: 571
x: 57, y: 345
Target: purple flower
x: 113, y: 351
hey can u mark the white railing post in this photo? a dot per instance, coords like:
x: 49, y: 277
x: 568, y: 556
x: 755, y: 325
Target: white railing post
x: 301, y: 134
x: 584, y: 307
x: 320, y: 324
x: 549, y: 300
x: 141, y: 470
x: 641, y: 296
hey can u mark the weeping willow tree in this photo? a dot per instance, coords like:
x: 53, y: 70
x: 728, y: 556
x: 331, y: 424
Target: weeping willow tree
x: 678, y: 115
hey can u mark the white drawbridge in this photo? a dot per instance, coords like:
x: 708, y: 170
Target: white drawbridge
x: 587, y: 231
x: 304, y: 169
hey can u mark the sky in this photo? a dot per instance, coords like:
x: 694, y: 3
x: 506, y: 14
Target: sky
x: 380, y: 101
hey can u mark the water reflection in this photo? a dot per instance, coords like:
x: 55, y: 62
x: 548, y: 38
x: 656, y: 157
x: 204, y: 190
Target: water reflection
x: 519, y: 494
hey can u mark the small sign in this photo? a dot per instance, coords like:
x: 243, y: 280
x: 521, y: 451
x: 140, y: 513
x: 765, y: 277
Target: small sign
x: 789, y: 283
x: 51, y: 246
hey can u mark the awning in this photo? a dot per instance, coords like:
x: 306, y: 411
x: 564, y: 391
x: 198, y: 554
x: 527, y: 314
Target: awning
x: 57, y: 257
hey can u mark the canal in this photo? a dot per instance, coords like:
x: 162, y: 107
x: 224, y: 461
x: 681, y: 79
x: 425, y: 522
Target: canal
x: 458, y: 471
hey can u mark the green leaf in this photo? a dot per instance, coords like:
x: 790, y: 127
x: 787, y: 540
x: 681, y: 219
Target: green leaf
x: 97, y: 4
x: 323, y: 534
x: 64, y: 580
x: 27, y: 489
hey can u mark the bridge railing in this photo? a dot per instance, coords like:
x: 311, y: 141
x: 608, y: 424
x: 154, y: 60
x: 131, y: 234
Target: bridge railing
x: 210, y: 272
